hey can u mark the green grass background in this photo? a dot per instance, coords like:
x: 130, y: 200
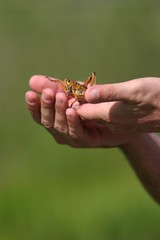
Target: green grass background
x: 49, y: 191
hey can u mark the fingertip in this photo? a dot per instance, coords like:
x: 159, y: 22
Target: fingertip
x: 31, y: 97
x: 71, y: 113
x: 92, y: 94
x: 33, y: 105
x: 61, y: 98
x: 39, y: 82
x: 72, y: 117
x: 33, y: 80
x: 61, y: 94
x: 48, y: 94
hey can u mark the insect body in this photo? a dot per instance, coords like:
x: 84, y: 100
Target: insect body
x: 75, y: 89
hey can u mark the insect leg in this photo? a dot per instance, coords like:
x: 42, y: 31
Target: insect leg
x: 76, y: 99
x: 73, y: 102
x: 93, y: 81
x: 87, y: 81
x: 56, y: 80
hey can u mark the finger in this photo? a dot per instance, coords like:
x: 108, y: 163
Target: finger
x: 75, y: 127
x: 48, y: 114
x: 47, y: 108
x: 38, y: 83
x: 110, y: 112
x: 127, y: 91
x: 61, y: 105
x: 79, y: 134
x: 33, y: 105
x: 98, y: 112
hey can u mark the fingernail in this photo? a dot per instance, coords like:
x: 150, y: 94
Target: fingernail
x: 46, y: 96
x: 59, y: 100
x: 29, y: 99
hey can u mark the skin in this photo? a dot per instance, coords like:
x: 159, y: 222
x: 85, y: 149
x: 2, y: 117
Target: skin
x: 128, y: 106
x: 117, y: 115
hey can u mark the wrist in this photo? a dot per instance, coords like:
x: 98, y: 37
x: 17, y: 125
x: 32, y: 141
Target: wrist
x: 134, y: 142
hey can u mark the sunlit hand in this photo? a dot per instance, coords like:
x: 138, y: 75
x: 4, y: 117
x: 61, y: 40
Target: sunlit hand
x: 52, y: 112
x: 125, y: 107
x: 65, y: 125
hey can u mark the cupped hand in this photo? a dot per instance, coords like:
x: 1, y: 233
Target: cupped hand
x: 132, y: 106
x: 52, y: 112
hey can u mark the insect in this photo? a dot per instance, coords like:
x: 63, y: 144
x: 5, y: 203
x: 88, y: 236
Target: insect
x: 75, y: 89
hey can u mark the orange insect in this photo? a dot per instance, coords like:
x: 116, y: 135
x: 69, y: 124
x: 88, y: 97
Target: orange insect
x: 75, y: 89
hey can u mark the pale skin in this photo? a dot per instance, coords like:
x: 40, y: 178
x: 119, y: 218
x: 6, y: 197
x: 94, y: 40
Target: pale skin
x: 119, y: 115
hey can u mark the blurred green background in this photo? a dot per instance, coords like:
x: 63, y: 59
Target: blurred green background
x: 49, y: 191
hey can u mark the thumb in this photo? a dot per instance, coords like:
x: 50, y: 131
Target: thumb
x: 125, y: 91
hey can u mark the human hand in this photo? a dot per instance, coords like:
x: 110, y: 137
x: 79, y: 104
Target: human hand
x: 132, y: 106
x: 65, y: 125
x: 52, y: 112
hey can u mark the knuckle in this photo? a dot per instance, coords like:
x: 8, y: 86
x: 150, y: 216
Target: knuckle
x: 61, y: 129
x: 74, y: 135
x: 46, y: 114
x: 112, y: 127
x: 47, y: 93
x: 137, y: 91
x: 46, y: 124
x: 47, y: 99
x: 47, y: 104
x: 112, y: 94
x: 77, y: 141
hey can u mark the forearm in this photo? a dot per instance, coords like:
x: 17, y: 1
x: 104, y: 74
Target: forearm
x: 144, y: 155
